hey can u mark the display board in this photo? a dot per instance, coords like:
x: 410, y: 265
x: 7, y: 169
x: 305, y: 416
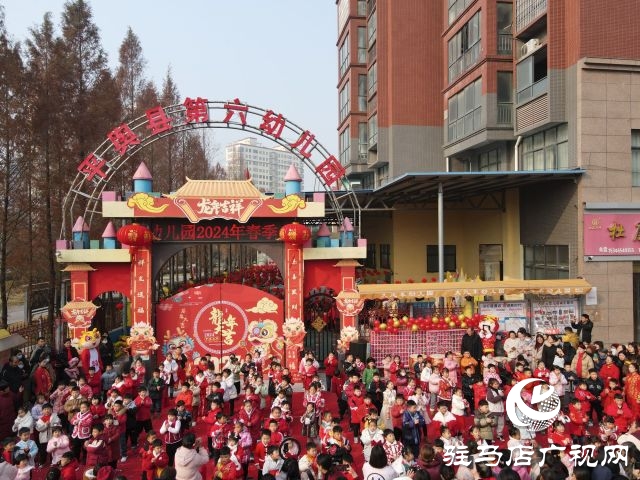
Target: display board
x: 511, y: 315
x: 553, y: 315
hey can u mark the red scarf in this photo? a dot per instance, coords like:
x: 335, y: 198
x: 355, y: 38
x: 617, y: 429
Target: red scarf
x: 579, y: 364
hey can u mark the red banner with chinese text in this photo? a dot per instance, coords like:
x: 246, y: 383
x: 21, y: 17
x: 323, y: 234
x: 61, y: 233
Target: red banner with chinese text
x: 293, y: 285
x: 222, y: 319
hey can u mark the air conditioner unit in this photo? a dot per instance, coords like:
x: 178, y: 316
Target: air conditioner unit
x: 530, y: 46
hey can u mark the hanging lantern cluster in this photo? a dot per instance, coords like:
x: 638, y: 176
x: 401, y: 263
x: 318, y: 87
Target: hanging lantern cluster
x: 294, y: 234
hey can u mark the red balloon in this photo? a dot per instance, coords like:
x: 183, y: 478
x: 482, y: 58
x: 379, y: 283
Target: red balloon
x: 376, y: 329
x: 376, y: 323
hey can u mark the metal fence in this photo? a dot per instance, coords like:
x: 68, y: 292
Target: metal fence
x: 320, y: 343
x: 39, y: 327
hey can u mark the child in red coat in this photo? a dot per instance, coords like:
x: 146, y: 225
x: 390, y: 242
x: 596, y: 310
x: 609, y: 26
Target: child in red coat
x: 96, y: 447
x: 111, y: 436
x: 98, y: 411
x: 578, y: 420
x: 585, y: 397
x: 355, y: 402
x: 396, y: 411
x: 559, y: 435
x: 621, y: 413
x: 154, y: 460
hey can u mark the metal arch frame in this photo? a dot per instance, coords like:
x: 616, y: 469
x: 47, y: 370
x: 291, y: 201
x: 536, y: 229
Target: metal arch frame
x: 114, y: 161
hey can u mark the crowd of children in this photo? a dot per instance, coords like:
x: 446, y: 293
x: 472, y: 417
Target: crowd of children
x: 410, y: 414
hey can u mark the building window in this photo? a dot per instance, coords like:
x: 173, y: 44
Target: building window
x: 532, y: 76
x: 456, y: 7
x: 362, y: 8
x: 490, y: 262
x: 464, y: 48
x: 383, y: 175
x: 370, y: 261
x: 492, y: 161
x: 343, y: 55
x: 505, y: 98
x: 385, y: 255
x: 548, y: 150
x: 363, y: 141
x: 345, y: 145
x: 344, y: 99
x: 465, y: 111
x: 362, y: 44
x: 635, y: 158
x: 449, y: 258
x: 544, y: 262
x: 373, y: 131
x: 505, y: 22
x: 343, y: 14
x: 373, y: 79
x: 362, y: 93
x: 372, y: 27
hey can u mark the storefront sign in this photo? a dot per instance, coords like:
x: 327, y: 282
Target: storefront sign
x: 511, y: 315
x: 611, y: 234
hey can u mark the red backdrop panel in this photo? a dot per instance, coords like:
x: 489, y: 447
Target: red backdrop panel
x: 221, y: 319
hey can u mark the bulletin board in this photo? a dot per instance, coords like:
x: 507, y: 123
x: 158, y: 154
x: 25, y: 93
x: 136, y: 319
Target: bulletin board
x: 553, y: 315
x: 510, y: 315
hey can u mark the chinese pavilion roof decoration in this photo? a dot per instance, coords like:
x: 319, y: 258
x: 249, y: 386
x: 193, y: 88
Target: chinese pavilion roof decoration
x: 142, y: 173
x: 219, y: 189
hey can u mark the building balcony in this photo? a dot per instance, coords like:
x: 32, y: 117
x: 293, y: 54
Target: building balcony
x: 465, y: 62
x: 533, y: 91
x: 504, y: 114
x: 505, y: 44
x: 527, y: 11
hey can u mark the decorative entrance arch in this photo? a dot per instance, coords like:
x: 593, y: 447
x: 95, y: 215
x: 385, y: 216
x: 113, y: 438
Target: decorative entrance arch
x: 124, y: 141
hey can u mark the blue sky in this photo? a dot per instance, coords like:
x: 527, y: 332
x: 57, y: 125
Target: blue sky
x: 277, y: 54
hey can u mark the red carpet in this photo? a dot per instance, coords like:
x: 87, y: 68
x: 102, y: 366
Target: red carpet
x: 132, y: 467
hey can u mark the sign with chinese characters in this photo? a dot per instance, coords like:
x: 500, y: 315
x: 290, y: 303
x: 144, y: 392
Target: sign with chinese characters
x: 552, y: 316
x: 612, y: 234
x: 126, y: 139
x: 293, y: 285
x: 197, y: 209
x: 222, y: 319
x: 78, y: 314
x: 215, y: 231
x: 141, y: 288
x: 510, y: 315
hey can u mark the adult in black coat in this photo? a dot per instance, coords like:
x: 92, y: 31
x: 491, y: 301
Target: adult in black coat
x: 13, y: 374
x: 106, y: 349
x: 471, y: 343
x: 67, y: 352
x: 8, y: 410
x: 584, y: 327
x: 549, y: 349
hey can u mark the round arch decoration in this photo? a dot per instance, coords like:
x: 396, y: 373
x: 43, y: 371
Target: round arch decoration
x: 125, y: 140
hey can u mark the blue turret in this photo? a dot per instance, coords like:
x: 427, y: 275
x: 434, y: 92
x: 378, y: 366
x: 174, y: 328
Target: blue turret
x: 292, y: 181
x: 80, y: 234
x: 142, y: 180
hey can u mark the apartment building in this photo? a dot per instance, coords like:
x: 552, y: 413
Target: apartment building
x: 526, y: 112
x: 267, y: 166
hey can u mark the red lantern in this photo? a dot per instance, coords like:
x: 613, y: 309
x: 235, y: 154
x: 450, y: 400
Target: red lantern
x: 294, y: 234
x: 119, y: 306
x: 135, y: 235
